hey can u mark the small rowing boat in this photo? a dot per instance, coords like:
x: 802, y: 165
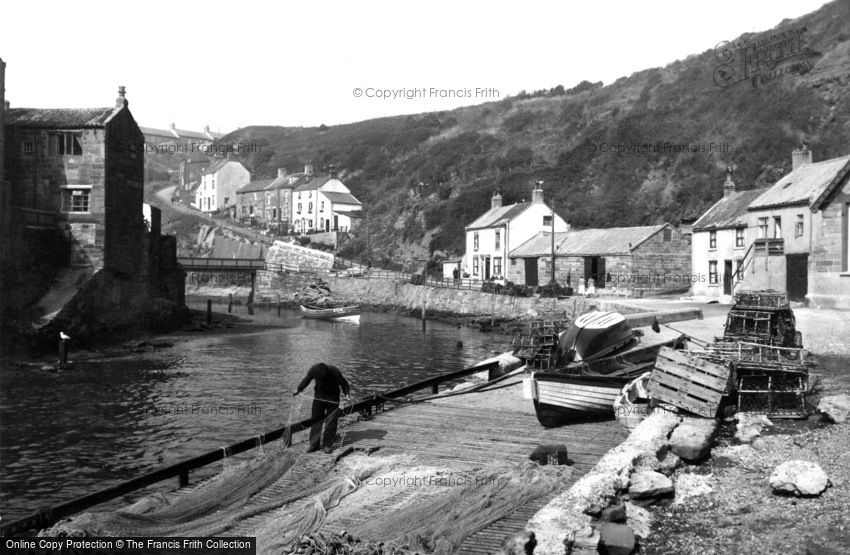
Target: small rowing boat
x: 349, y: 312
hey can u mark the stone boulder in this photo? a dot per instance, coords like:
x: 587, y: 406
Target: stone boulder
x: 616, y: 539
x: 614, y: 513
x: 800, y: 478
x: 584, y: 541
x: 639, y: 520
x: 835, y: 407
x: 648, y: 484
x: 693, y: 438
x: 750, y: 426
x: 691, y: 485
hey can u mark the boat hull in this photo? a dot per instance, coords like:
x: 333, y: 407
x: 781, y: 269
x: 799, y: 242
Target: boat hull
x: 563, y: 399
x: 319, y: 313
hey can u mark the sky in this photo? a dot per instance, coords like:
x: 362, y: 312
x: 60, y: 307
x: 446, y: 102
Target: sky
x: 234, y: 64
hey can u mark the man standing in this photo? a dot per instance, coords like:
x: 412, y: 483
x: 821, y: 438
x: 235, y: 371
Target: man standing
x: 329, y: 380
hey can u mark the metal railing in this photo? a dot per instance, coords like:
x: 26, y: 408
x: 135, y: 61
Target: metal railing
x: 47, y: 517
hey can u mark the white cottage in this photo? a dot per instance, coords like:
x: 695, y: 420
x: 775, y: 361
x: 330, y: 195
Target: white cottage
x: 719, y: 243
x: 219, y: 184
x: 501, y: 229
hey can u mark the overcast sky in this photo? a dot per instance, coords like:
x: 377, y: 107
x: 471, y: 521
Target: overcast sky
x: 233, y: 64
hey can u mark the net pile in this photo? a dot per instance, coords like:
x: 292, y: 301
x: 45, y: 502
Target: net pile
x: 211, y: 509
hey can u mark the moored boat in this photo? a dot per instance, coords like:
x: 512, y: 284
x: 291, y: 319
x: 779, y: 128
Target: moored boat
x: 561, y: 398
x: 330, y: 313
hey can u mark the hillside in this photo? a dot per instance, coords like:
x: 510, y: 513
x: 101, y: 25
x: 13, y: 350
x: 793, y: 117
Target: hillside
x: 425, y: 176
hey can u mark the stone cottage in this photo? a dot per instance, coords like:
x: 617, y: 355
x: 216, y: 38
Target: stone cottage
x: 644, y: 260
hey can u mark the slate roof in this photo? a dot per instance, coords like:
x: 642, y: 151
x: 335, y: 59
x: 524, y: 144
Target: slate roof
x: 311, y: 183
x: 254, y: 186
x: 58, y: 118
x: 498, y: 216
x: 805, y: 185
x: 218, y: 164
x: 192, y: 134
x: 340, y: 198
x: 286, y: 182
x: 157, y: 132
x: 727, y: 212
x: 587, y: 242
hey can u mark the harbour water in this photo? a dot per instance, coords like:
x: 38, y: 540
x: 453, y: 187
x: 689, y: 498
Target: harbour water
x: 69, y: 433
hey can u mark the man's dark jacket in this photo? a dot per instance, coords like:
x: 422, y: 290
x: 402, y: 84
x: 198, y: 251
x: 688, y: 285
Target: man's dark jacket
x: 328, y: 379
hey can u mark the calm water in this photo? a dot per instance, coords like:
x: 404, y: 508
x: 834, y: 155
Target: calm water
x: 70, y: 433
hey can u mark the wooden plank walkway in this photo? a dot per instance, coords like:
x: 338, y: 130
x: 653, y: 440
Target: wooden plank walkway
x: 462, y: 432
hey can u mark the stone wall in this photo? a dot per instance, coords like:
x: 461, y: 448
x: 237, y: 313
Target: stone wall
x: 829, y: 267
x: 124, y: 184
x: 295, y: 255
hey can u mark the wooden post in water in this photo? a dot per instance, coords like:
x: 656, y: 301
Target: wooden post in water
x: 251, y: 294
x: 230, y: 303
x: 63, y: 352
x: 278, y: 305
x: 423, y: 314
x: 209, y: 312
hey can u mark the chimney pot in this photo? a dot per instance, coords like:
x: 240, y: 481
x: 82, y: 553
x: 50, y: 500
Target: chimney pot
x: 496, y: 201
x: 308, y: 169
x: 281, y: 172
x: 801, y: 156
x: 729, y: 185
x: 332, y: 171
x: 537, y: 193
x: 121, y: 101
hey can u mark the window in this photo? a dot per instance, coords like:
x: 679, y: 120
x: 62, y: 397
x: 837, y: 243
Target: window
x: 739, y: 272
x: 777, y: 227
x: 799, y: 226
x: 475, y: 266
x: 668, y: 235
x: 497, y: 266
x: 762, y: 227
x: 513, y: 261
x: 547, y: 220
x: 712, y: 272
x: 498, y: 239
x: 76, y: 199
x: 299, y: 208
x: 739, y: 237
x: 712, y: 239
x: 28, y: 148
x: 64, y: 144
x: 475, y: 243
x: 322, y: 206
x: 310, y: 208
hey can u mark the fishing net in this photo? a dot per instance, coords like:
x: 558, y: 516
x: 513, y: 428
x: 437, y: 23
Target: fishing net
x: 440, y: 523
x: 210, y: 509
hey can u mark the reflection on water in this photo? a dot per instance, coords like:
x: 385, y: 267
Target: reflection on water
x: 69, y: 433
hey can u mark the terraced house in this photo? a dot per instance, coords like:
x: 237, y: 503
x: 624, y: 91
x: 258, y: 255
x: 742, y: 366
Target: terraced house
x: 322, y: 203
x: 497, y: 232
x: 219, y: 183
x: 798, y: 233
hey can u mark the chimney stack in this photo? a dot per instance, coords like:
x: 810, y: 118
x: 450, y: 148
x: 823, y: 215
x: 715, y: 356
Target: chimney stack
x: 800, y: 156
x: 332, y: 171
x: 729, y: 186
x: 308, y: 169
x: 537, y: 193
x: 6, y: 105
x: 121, y: 101
x: 496, y: 201
x: 281, y: 172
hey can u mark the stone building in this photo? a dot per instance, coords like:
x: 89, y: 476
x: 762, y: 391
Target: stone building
x: 322, y: 203
x: 82, y: 168
x: 636, y: 260
x: 251, y: 201
x: 164, y: 138
x: 719, y: 243
x: 798, y: 233
x: 219, y: 183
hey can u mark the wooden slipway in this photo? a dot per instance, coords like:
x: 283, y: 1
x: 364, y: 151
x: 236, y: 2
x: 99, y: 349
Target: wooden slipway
x: 460, y: 432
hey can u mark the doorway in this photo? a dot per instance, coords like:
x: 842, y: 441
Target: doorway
x: 594, y: 268
x: 797, y: 276
x: 531, y: 272
x: 728, y: 275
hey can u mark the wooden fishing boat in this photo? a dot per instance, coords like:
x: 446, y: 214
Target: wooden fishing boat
x: 595, y: 358
x: 562, y: 399
x: 330, y: 313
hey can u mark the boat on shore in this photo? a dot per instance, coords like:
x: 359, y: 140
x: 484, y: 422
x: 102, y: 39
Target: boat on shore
x: 348, y: 312
x: 595, y: 358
